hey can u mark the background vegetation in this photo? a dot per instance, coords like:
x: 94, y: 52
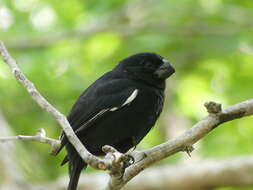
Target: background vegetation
x: 64, y: 46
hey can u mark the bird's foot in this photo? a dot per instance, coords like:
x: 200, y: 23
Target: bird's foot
x: 137, y: 155
x: 119, y: 161
x: 188, y: 150
x: 129, y: 160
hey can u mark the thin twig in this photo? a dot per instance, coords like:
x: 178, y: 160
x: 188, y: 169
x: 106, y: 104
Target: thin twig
x: 39, y: 137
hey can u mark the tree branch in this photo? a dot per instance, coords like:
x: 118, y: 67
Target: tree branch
x: 185, y: 141
x: 39, y: 137
x: 113, y: 159
x: 102, y: 164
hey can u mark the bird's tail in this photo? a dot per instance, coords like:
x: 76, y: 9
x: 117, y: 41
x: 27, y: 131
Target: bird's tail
x: 75, y: 167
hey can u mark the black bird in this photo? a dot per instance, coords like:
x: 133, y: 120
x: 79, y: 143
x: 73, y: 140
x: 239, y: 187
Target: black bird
x: 118, y: 109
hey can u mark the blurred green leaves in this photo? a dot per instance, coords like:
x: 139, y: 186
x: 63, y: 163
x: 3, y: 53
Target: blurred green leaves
x: 72, y: 43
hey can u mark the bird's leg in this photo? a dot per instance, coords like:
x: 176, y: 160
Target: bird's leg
x: 128, y: 161
x: 128, y: 158
x: 119, y: 161
x: 134, y: 143
x: 188, y: 150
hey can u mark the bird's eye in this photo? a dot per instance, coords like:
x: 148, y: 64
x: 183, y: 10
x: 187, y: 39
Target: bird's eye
x: 149, y: 65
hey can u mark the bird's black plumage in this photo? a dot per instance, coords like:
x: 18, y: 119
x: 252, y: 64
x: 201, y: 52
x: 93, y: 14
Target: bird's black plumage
x: 118, y: 109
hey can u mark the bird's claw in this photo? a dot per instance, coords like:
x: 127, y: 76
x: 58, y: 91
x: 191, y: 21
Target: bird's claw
x: 188, y: 150
x: 128, y: 161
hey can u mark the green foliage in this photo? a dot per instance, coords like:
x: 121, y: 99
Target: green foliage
x: 209, y: 42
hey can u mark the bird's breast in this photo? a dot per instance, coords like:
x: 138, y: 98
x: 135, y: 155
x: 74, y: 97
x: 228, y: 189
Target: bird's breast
x: 142, y: 113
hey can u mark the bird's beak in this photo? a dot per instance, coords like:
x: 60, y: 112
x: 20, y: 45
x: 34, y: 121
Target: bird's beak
x: 165, y: 70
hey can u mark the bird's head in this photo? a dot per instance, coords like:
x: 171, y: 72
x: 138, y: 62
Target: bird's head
x: 147, y: 67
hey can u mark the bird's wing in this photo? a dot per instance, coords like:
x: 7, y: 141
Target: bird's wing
x: 103, y: 96
x: 118, y: 101
x: 98, y: 99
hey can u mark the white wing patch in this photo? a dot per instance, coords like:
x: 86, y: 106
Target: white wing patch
x: 131, y: 97
x: 114, y: 109
x: 128, y: 100
x: 99, y: 114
